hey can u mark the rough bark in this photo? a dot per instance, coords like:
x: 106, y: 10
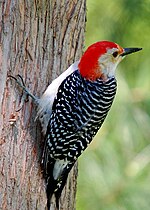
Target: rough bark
x: 38, y: 40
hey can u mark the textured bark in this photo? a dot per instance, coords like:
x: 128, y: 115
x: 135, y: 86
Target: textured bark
x: 39, y: 39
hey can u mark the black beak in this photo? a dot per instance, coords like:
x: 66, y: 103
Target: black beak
x: 130, y: 50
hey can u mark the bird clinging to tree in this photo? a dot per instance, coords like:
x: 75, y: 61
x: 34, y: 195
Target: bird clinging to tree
x: 73, y: 108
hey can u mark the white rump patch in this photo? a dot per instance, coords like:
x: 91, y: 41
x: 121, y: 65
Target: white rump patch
x: 59, y: 167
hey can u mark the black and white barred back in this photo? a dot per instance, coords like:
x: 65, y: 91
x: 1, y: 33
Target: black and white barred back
x: 78, y: 112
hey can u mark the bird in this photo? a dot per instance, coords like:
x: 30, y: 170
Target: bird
x: 73, y: 109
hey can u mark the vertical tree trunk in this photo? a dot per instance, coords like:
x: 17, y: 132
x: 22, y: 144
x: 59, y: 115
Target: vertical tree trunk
x: 38, y: 40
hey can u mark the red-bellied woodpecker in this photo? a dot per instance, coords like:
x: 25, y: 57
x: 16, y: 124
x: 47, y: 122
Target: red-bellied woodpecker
x: 73, y: 108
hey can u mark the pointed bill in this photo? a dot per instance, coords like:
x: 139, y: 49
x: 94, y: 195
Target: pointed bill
x: 130, y: 50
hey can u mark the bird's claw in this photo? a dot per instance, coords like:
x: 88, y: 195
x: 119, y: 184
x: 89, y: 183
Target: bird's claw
x: 22, y: 85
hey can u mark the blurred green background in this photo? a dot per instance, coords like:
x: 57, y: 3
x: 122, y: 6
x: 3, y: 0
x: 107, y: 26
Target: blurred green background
x: 114, y: 172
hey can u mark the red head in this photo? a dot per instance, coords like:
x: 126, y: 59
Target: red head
x: 101, y: 60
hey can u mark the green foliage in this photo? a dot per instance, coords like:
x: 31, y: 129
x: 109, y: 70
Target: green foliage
x: 114, y: 172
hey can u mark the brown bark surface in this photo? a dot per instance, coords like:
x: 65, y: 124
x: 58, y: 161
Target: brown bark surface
x: 38, y: 40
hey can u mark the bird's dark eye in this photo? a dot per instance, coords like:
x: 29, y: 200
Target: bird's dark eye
x: 115, y: 54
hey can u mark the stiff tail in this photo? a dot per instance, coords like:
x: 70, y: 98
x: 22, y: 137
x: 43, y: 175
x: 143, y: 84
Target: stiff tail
x: 61, y: 184
x: 56, y: 173
x: 50, y: 183
x: 55, y: 186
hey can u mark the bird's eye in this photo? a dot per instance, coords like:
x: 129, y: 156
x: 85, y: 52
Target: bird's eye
x: 115, y: 54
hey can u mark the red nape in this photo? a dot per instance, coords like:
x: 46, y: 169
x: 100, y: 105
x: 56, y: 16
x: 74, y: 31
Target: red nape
x: 89, y: 66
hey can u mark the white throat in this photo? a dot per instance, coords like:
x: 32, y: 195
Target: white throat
x: 108, y: 64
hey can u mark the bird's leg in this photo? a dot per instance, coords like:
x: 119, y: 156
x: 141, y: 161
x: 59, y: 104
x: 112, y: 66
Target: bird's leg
x: 22, y: 85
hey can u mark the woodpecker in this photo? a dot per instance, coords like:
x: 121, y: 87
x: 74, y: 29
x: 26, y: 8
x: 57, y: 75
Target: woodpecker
x: 73, y: 108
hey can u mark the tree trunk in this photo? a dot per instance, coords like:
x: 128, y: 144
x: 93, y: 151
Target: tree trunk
x: 38, y: 40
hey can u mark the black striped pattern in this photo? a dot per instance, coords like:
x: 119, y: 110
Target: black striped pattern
x: 79, y: 110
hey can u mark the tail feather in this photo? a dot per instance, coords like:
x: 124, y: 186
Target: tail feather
x: 50, y: 184
x: 55, y: 187
x: 48, y: 165
x: 50, y: 190
x: 56, y: 173
x: 58, y: 192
